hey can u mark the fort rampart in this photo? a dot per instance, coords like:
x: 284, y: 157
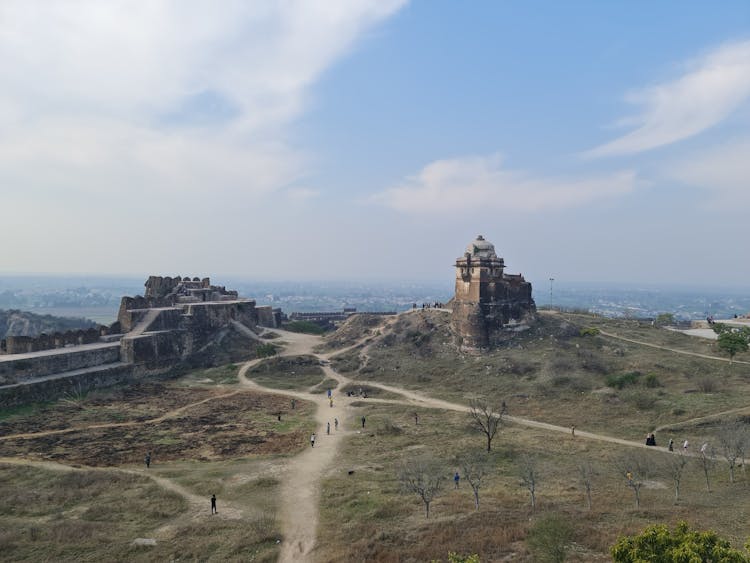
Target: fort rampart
x: 19, y: 368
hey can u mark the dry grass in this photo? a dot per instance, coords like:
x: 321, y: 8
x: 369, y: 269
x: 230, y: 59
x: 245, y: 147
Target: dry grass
x: 292, y: 372
x: 366, y: 517
x: 78, y: 515
x: 552, y: 373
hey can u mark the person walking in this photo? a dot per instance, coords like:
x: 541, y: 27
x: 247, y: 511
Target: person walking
x: 685, y: 445
x: 330, y: 402
x: 328, y: 428
x: 335, y: 423
x: 312, y: 440
x: 670, y: 445
x: 456, y: 479
x: 147, y: 459
x: 573, y: 431
x: 363, y: 422
x: 213, y: 505
x: 416, y: 419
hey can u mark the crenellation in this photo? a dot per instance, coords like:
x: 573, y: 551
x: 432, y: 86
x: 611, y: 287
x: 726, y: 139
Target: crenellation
x: 174, y: 324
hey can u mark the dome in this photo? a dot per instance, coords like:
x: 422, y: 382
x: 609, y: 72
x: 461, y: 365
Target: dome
x: 480, y: 248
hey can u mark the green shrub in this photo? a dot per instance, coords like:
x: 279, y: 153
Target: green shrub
x: 266, y: 351
x: 641, y: 399
x: 659, y: 543
x: 549, y: 539
x: 623, y: 380
x: 651, y: 381
x: 589, y: 331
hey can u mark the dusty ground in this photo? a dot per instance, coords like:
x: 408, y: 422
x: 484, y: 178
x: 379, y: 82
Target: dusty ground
x: 235, y: 426
x: 228, y: 425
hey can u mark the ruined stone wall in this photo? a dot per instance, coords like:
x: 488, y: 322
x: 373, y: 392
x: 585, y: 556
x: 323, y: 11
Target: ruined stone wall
x: 153, y: 349
x: 267, y: 317
x: 52, y: 388
x: 27, y: 344
x: 486, y: 301
x: 16, y: 369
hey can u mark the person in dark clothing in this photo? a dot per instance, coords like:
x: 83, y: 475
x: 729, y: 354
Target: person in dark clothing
x: 363, y: 422
x: 147, y: 459
x: 456, y: 479
x: 213, y: 505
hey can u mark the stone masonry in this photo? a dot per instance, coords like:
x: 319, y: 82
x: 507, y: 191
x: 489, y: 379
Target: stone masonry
x: 488, y: 302
x: 175, y: 325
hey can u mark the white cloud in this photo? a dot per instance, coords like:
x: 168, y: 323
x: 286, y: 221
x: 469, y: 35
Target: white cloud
x: 91, y: 89
x: 301, y: 195
x: 481, y: 183
x: 707, y: 93
x: 722, y: 171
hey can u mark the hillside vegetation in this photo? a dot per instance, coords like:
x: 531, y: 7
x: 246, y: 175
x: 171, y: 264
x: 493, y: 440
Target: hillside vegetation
x: 560, y: 371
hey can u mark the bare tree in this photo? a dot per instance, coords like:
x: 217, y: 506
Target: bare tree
x: 485, y: 419
x: 529, y: 477
x: 634, y: 467
x: 675, y: 464
x: 733, y: 439
x: 586, y: 473
x: 475, y: 467
x: 423, y: 477
x: 708, y: 461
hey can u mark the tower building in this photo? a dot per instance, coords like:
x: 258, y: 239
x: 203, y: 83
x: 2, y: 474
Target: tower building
x: 487, y: 299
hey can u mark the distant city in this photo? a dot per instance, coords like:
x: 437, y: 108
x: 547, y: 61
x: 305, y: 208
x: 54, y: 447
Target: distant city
x: 98, y: 298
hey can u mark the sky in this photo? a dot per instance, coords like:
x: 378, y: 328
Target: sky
x: 374, y: 139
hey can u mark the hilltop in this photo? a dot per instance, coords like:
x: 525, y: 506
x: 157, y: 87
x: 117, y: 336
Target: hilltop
x: 401, y: 390
x: 23, y: 323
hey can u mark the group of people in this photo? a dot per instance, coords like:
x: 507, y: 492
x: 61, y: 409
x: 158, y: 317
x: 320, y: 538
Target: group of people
x: 435, y: 305
x: 651, y: 441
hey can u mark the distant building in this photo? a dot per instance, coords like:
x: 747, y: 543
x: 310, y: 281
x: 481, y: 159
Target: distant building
x: 488, y: 301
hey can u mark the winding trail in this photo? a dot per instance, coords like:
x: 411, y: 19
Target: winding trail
x: 169, y: 414
x: 198, y: 504
x: 300, y: 484
x: 674, y: 350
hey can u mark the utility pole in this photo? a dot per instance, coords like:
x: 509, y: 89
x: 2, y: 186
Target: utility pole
x: 550, y: 292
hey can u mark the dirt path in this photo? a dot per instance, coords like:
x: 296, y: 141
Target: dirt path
x: 674, y: 350
x: 299, y: 491
x: 300, y: 484
x: 199, y: 506
x: 699, y: 419
x: 167, y: 415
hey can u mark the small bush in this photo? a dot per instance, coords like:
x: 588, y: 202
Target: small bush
x: 589, y: 331
x: 707, y: 384
x: 623, y: 380
x: 642, y: 400
x: 651, y: 381
x: 550, y: 537
x: 266, y: 351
